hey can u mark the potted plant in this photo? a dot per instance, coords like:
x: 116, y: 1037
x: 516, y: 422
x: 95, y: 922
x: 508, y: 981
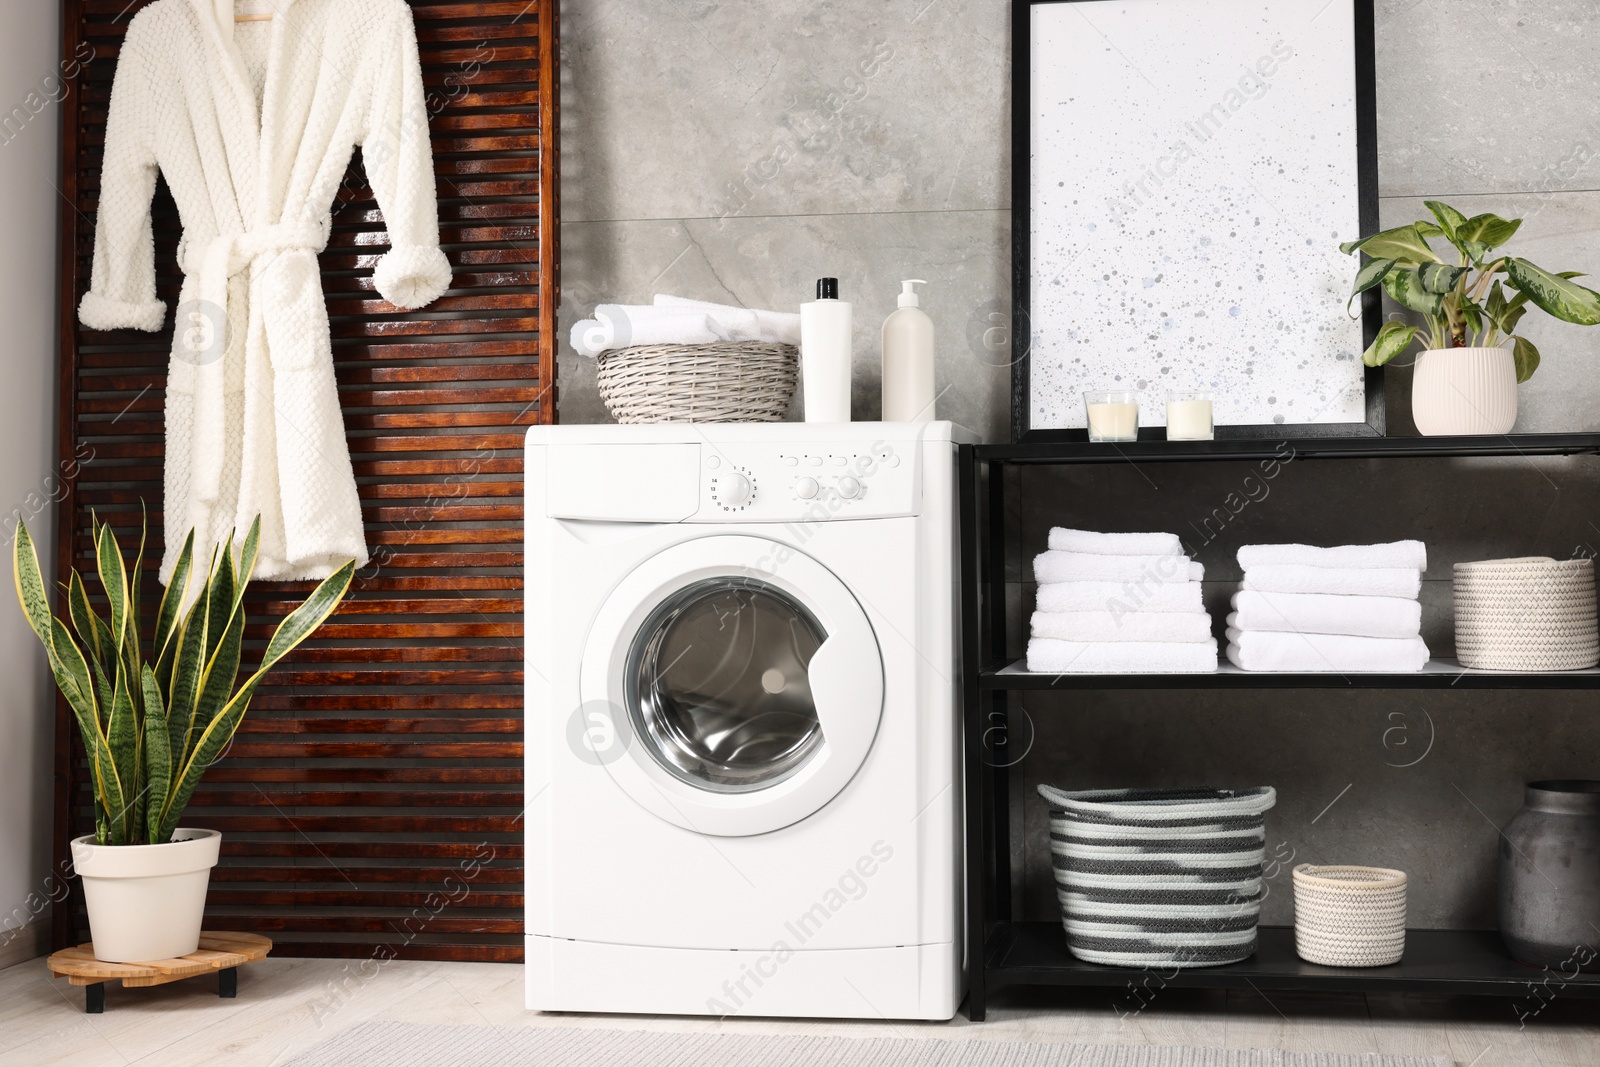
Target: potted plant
x: 1466, y: 379
x: 152, y: 727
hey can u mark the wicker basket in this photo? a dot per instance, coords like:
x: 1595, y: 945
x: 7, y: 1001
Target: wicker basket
x: 1349, y: 916
x: 733, y: 381
x: 1532, y: 614
x: 1163, y: 877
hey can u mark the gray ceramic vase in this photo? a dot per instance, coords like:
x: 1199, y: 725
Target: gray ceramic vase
x: 1550, y: 876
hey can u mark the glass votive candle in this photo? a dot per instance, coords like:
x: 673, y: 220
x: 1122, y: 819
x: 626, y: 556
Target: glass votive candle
x: 1113, y: 415
x: 1189, y: 417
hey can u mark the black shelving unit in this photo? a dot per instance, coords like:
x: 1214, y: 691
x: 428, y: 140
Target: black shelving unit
x: 1004, y: 951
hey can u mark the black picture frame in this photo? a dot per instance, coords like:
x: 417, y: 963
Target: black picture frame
x: 1021, y: 231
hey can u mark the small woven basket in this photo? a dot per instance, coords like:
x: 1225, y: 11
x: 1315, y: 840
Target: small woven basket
x: 733, y: 381
x: 1349, y: 916
x: 1532, y: 614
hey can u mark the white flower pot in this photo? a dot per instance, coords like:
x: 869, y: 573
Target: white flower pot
x: 146, y: 902
x: 1464, y: 391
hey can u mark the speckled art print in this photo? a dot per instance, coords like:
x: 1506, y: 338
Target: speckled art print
x: 1193, y: 171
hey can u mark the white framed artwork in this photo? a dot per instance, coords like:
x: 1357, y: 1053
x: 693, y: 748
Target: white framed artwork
x: 1186, y: 172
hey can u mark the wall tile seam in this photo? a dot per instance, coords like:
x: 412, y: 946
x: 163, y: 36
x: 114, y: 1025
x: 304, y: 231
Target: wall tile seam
x: 797, y: 215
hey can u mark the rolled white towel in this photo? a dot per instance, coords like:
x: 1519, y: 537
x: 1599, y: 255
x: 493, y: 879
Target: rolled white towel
x: 1314, y: 653
x: 1056, y: 566
x: 1119, y: 597
x: 1130, y: 626
x: 1374, y: 581
x: 1115, y: 544
x: 779, y: 327
x: 1409, y: 554
x: 1321, y: 613
x: 1047, y: 656
x: 623, y: 325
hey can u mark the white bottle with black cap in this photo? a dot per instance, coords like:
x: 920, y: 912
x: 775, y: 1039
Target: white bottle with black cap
x: 826, y: 354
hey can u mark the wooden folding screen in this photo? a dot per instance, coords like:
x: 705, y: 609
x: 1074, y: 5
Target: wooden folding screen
x: 371, y: 804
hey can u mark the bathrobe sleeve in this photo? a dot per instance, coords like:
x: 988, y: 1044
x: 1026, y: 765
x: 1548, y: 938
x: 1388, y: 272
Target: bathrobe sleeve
x: 122, y: 287
x: 399, y: 162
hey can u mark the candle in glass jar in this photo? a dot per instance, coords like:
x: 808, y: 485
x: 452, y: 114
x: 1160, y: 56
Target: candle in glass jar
x: 1189, y: 417
x: 1113, y: 415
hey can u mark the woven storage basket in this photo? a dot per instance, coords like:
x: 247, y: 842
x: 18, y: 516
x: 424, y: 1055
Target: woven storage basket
x: 1532, y: 614
x: 1349, y: 916
x: 1166, y: 877
x: 734, y: 381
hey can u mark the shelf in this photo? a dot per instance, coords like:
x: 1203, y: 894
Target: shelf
x: 1160, y: 451
x: 1438, y: 674
x: 1471, y: 962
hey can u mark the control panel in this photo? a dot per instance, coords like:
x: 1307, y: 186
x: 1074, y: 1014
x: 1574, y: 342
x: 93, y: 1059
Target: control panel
x: 779, y: 483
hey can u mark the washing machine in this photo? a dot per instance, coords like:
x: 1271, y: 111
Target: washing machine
x: 743, y: 783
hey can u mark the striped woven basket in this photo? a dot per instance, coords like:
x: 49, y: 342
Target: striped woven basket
x: 731, y: 381
x: 1531, y: 614
x: 1162, y: 877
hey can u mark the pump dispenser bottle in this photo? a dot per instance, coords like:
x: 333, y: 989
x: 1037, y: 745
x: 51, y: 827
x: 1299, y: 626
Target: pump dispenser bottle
x: 908, y: 360
x: 825, y: 354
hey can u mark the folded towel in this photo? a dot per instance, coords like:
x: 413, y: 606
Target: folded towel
x: 1375, y: 581
x: 621, y: 325
x: 1122, y: 626
x: 1119, y: 598
x: 1409, y: 554
x: 1310, y: 653
x: 1046, y: 656
x: 1085, y: 567
x: 779, y: 327
x: 1116, y: 544
x: 1321, y: 613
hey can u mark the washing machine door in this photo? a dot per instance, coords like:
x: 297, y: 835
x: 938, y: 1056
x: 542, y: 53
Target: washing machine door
x: 736, y: 682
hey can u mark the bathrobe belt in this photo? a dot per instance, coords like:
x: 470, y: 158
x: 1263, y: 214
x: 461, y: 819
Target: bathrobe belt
x: 206, y: 339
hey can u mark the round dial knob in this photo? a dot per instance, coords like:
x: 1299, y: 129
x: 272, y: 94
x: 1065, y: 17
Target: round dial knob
x: 734, y: 489
x: 849, y: 487
x: 806, y: 488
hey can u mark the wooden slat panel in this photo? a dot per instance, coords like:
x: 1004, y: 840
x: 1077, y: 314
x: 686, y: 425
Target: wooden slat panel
x: 385, y: 757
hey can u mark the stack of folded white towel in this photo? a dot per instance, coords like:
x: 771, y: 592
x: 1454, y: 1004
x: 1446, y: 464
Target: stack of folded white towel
x: 677, y: 320
x: 1350, y: 609
x: 1119, y: 603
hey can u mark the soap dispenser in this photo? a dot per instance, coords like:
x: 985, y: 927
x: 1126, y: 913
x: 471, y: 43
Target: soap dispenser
x: 908, y: 360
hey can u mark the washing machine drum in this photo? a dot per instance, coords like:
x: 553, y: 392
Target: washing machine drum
x: 739, y: 682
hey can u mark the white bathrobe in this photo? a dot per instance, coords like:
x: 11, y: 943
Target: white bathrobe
x: 253, y: 125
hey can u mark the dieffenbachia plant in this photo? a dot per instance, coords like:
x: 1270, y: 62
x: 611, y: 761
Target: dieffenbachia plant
x: 1476, y: 301
x: 153, y: 727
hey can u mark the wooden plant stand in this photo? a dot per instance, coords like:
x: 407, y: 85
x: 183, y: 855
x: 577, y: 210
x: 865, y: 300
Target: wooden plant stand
x: 221, y: 952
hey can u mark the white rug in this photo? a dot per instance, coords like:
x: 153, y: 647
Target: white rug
x: 386, y: 1044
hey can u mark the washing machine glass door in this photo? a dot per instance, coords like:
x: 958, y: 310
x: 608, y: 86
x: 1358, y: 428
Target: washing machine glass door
x: 743, y: 681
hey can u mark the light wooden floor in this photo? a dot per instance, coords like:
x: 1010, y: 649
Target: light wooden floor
x: 286, y: 1005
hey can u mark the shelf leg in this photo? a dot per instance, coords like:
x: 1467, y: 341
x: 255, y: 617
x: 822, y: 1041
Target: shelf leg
x: 94, y: 999
x: 228, y: 982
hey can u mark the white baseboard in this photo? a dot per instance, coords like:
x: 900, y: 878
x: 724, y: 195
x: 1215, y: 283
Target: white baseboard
x: 24, y: 943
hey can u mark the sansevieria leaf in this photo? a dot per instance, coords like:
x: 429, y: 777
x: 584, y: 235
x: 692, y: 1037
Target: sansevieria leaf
x: 296, y: 627
x: 170, y: 609
x: 114, y: 580
x: 158, y: 757
x: 122, y: 739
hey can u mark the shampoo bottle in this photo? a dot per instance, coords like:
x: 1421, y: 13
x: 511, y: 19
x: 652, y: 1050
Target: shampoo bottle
x: 825, y: 354
x: 908, y: 360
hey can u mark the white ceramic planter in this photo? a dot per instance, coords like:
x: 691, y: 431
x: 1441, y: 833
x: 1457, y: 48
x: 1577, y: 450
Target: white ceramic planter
x: 1464, y: 391
x: 146, y: 902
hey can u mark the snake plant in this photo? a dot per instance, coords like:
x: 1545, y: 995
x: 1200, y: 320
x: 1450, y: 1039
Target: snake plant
x: 152, y: 727
x: 1465, y: 303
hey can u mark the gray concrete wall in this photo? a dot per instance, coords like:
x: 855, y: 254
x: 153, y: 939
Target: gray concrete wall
x: 738, y: 151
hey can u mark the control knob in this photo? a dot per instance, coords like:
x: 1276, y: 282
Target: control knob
x: 734, y: 490
x: 806, y: 488
x: 849, y: 487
